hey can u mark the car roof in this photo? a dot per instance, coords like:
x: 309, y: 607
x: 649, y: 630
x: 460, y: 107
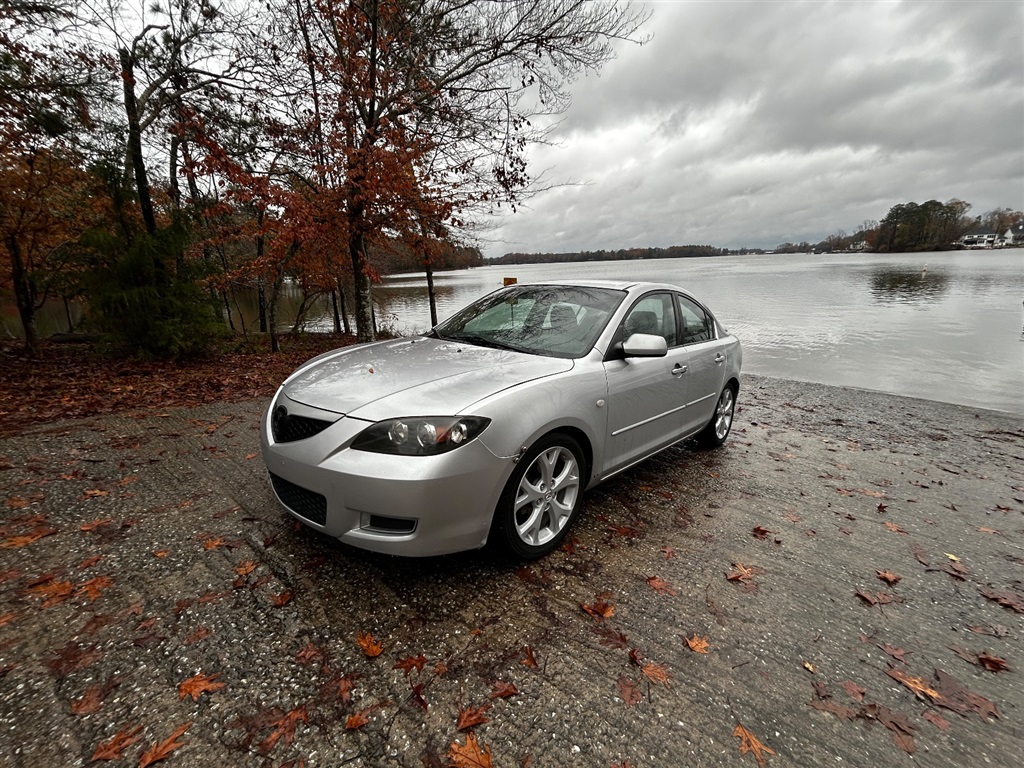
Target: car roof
x: 620, y: 285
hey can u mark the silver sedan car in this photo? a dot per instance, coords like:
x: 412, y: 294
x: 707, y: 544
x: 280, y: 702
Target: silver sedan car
x: 492, y: 425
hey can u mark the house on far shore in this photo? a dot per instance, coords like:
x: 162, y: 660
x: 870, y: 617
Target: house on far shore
x: 1014, y: 236
x: 980, y: 237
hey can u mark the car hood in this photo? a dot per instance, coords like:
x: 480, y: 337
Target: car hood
x: 410, y: 377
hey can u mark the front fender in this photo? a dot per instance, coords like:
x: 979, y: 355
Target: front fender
x: 574, y: 400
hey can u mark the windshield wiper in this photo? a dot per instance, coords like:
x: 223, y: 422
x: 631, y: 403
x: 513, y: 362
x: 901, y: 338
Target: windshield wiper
x: 480, y: 341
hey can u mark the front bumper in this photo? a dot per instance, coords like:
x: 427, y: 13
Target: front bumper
x: 403, y: 505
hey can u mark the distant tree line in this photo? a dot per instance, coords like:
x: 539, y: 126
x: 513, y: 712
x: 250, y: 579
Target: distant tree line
x: 912, y: 227
x: 397, y: 257
x: 623, y: 254
x: 908, y: 227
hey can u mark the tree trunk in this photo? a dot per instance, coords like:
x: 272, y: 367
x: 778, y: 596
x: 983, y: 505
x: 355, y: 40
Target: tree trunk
x: 430, y: 293
x: 131, y: 108
x: 344, y: 309
x: 275, y: 339
x: 334, y: 307
x: 364, y: 306
x: 261, y: 297
x: 261, y: 290
x: 23, y: 296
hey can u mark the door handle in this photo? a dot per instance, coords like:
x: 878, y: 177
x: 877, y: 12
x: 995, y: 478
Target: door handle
x: 679, y: 370
x: 719, y: 358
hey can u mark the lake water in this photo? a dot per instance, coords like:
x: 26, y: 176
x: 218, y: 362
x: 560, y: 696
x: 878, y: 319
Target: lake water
x: 940, y: 326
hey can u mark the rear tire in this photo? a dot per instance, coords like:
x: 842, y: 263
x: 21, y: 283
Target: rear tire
x: 541, y: 497
x: 717, y: 430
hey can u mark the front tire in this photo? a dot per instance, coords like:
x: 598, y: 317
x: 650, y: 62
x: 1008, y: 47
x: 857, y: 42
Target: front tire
x: 541, y: 497
x: 717, y: 430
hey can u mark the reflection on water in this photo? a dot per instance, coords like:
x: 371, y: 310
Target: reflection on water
x: 908, y: 286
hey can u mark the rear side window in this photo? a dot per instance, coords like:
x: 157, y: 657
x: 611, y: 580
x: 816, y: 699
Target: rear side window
x: 695, y: 324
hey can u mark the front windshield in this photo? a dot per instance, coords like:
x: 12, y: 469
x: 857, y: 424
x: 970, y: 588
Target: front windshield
x: 551, y: 320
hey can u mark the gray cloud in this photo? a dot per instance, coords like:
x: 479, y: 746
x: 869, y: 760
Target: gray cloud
x: 754, y: 123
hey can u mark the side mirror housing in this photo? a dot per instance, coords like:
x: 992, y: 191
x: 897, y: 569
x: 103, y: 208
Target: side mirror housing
x: 645, y: 345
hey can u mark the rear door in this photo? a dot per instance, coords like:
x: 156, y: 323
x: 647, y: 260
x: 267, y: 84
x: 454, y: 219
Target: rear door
x: 707, y: 357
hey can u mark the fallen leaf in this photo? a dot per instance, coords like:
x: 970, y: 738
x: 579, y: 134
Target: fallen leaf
x: 697, y: 643
x: 470, y: 717
x: 417, y: 697
x: 897, y: 653
x: 197, y: 685
x: 530, y: 660
x: 899, y: 727
x: 409, y: 663
x: 888, y: 577
x: 918, y: 686
x: 162, y: 749
x: 996, y: 630
x: 893, y: 527
x: 809, y: 667
x: 628, y: 691
x: 660, y: 585
x: 245, y: 567
x: 23, y: 540
x: 919, y: 554
x: 749, y: 743
x: 833, y: 708
x: 853, y: 690
x: 470, y: 755
x: 86, y: 527
x: 358, y: 719
x: 284, y: 728
x: 610, y: 637
x: 72, y: 657
x: 502, y: 690
x: 93, y: 588
x: 53, y: 592
x: 656, y: 673
x: 740, y: 573
x: 954, y: 558
x: 600, y: 609
x: 1005, y: 598
x: 760, y: 532
x: 90, y: 701
x: 369, y: 645
x: 936, y: 719
x: 112, y: 749
x: 953, y: 696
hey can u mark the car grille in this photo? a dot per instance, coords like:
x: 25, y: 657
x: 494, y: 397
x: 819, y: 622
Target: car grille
x: 287, y: 427
x: 308, y: 504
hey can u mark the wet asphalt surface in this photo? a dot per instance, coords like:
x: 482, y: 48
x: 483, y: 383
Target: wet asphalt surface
x: 142, y: 550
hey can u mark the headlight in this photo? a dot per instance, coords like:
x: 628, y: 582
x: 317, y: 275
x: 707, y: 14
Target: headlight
x: 420, y: 436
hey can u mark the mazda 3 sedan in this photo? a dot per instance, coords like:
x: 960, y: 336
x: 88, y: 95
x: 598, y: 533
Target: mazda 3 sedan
x: 493, y: 424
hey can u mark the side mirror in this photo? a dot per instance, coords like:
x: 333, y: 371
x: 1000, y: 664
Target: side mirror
x: 645, y: 345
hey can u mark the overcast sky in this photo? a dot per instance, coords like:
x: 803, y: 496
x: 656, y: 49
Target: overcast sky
x: 759, y: 122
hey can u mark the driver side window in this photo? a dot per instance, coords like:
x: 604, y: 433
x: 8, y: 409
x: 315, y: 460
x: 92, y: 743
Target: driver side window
x: 654, y: 314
